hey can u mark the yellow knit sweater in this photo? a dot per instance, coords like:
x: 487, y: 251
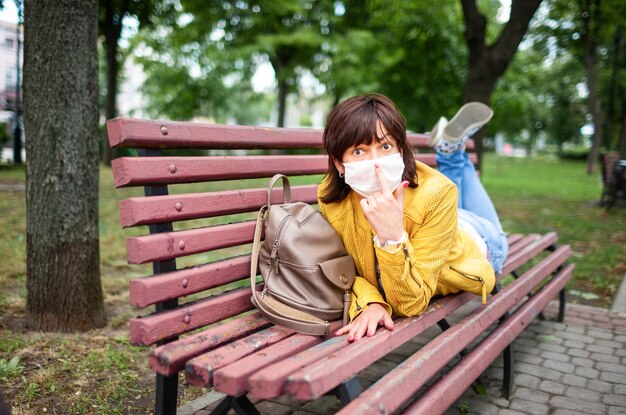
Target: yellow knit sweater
x: 438, y: 259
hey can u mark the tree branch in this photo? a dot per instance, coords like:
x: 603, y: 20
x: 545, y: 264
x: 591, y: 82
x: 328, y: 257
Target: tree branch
x: 502, y: 51
x: 475, y: 23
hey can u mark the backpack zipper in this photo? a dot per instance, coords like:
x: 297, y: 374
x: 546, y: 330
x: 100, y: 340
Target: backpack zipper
x: 274, y: 257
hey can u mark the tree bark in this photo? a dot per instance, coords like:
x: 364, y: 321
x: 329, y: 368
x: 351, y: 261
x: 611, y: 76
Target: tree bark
x: 488, y: 63
x: 64, y: 291
x: 622, y: 135
x: 282, y: 101
x: 588, y: 38
x: 111, y: 28
x: 279, y: 64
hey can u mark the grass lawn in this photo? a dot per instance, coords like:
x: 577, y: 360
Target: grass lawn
x: 100, y: 373
x: 542, y: 195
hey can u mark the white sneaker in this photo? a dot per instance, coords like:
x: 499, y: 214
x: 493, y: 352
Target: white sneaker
x: 437, y: 132
x: 470, y: 118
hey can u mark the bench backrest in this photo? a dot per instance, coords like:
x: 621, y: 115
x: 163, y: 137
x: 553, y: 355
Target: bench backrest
x: 206, y: 226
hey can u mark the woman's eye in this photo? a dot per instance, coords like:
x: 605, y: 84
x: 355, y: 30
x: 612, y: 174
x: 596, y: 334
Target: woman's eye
x: 387, y: 146
x: 357, y: 152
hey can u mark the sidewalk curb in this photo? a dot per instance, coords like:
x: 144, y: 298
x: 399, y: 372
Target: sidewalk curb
x: 619, y: 304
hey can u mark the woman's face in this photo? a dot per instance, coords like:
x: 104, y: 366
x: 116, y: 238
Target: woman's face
x: 377, y: 149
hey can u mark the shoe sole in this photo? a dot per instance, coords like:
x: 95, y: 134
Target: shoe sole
x: 435, y: 134
x: 468, y: 119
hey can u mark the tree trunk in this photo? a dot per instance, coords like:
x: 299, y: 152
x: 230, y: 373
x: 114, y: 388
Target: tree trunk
x: 488, y: 63
x: 282, y: 101
x: 110, y: 108
x: 64, y: 292
x: 280, y: 65
x: 111, y: 28
x: 622, y: 136
x: 592, y: 84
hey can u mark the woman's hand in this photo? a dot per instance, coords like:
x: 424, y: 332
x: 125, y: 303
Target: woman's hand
x: 367, y: 322
x: 385, y: 211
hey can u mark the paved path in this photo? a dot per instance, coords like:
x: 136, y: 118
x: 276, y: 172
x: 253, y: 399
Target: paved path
x: 573, y: 368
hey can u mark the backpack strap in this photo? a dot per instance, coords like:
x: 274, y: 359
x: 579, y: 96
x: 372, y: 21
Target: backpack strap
x: 286, y: 189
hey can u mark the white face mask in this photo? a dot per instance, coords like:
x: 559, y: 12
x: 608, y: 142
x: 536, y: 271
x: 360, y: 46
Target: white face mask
x: 361, y: 176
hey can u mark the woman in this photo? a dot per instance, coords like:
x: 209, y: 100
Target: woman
x: 414, y: 232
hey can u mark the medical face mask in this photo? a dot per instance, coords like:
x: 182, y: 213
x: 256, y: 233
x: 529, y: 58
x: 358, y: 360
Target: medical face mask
x: 361, y: 176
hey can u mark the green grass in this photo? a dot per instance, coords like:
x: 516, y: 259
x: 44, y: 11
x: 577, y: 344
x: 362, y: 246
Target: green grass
x: 543, y: 195
x: 100, y: 373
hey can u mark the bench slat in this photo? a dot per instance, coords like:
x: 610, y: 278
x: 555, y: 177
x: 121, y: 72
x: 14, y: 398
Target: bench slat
x: 135, y: 133
x: 233, y: 379
x: 148, y: 330
x: 513, y: 238
x: 270, y: 382
x: 169, y: 245
x: 150, y: 290
x: 172, y: 208
x: 521, y: 243
x: 447, y: 389
x: 514, y: 261
x: 200, y: 370
x: 402, y: 382
x: 170, y: 358
x: 145, y: 171
x: 361, y: 354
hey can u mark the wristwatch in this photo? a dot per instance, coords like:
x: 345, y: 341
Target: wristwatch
x: 391, y: 246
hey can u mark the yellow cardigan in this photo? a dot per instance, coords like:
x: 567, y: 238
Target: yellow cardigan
x: 438, y: 259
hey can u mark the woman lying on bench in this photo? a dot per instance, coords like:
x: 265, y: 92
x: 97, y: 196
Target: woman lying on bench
x: 412, y: 233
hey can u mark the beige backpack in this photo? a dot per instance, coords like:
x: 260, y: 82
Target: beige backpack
x: 306, y: 270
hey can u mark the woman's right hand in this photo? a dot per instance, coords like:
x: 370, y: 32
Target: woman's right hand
x: 367, y: 322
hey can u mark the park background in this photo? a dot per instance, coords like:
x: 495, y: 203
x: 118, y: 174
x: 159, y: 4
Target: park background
x: 553, y: 70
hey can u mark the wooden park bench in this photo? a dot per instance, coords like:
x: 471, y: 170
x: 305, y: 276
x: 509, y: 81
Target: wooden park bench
x: 205, y: 324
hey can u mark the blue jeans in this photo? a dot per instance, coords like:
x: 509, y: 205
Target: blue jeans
x: 475, y: 206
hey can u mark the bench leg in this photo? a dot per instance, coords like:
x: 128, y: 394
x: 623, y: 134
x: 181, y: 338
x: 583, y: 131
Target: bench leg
x: 166, y: 394
x: 562, y: 299
x: 507, y: 353
x: 561, y: 306
x: 241, y: 405
x: 348, y: 390
x: 507, y: 371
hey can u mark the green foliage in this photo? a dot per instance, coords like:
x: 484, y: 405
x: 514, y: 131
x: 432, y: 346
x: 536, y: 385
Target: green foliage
x: 464, y: 407
x: 411, y: 51
x: 480, y: 389
x: 11, y: 368
x: 566, y: 34
x: 574, y: 153
x: 10, y: 342
x: 201, y: 63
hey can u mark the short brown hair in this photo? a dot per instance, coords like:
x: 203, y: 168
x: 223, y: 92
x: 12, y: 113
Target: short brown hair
x: 354, y: 122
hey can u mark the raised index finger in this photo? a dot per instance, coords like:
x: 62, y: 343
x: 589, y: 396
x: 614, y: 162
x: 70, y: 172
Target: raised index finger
x: 381, y: 179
